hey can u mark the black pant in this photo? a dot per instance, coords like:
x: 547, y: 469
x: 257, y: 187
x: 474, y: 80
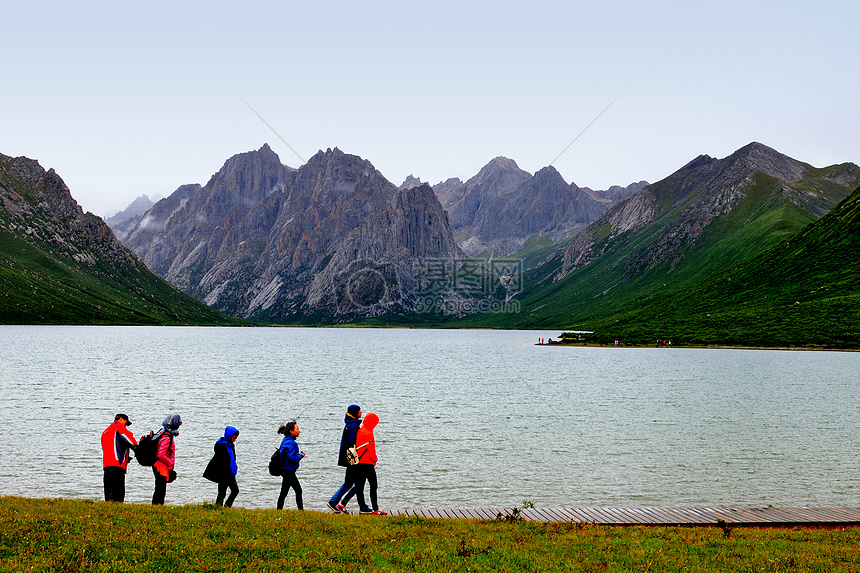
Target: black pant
x: 222, y: 491
x: 365, y: 472
x: 160, y: 488
x: 290, y: 480
x: 114, y: 484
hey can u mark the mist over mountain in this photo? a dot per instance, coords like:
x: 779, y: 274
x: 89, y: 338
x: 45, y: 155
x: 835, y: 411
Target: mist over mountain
x: 124, y: 221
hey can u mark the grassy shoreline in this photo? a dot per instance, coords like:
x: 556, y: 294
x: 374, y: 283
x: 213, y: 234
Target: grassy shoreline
x: 702, y: 346
x: 81, y: 535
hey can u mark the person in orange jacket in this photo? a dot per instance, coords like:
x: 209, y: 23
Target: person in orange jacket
x: 165, y: 459
x: 365, y: 444
x: 117, y: 440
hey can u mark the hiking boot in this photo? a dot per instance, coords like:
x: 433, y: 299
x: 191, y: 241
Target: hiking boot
x: 379, y: 512
x: 365, y: 511
x: 341, y: 508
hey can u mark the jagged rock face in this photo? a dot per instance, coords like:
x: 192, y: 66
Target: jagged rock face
x: 695, y: 196
x: 40, y: 204
x: 374, y: 267
x: 260, y: 237
x: 503, y: 206
x: 499, y: 178
x: 449, y: 191
x: 616, y: 193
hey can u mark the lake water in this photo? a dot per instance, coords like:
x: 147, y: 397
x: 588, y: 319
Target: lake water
x: 468, y: 418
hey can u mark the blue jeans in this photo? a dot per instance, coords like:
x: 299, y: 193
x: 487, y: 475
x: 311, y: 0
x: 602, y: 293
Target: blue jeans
x: 347, y: 490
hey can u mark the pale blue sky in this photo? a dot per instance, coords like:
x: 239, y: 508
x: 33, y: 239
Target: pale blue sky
x: 129, y: 98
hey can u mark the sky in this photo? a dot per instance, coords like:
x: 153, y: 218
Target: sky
x: 124, y: 99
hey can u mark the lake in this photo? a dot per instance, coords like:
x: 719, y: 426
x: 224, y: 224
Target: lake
x: 468, y: 418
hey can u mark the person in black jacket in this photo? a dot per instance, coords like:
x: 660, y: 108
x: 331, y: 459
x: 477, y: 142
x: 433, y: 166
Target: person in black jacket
x: 222, y: 467
x: 351, y: 421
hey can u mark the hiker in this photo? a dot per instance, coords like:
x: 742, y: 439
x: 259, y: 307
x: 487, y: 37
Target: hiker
x: 290, y: 458
x: 165, y: 458
x: 366, y: 466
x: 222, y: 467
x: 351, y: 421
x: 117, y: 440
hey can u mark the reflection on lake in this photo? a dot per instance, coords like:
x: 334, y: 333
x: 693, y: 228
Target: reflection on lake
x: 468, y: 418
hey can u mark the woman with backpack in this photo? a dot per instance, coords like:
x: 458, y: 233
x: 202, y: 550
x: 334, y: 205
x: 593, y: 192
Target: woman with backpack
x: 290, y: 458
x: 165, y: 457
x: 222, y: 467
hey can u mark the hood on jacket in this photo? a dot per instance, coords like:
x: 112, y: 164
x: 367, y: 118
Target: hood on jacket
x: 171, y: 424
x: 229, y: 432
x: 370, y: 421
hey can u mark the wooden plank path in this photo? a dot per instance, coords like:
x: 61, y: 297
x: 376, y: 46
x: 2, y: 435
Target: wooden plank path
x: 685, y: 516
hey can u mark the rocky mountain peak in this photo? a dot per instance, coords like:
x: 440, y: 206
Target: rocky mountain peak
x: 756, y: 156
x: 549, y: 175
x: 410, y: 182
x: 501, y: 169
x: 449, y: 191
x: 698, y: 162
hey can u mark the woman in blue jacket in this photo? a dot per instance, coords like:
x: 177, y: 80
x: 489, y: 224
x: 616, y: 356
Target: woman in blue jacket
x: 290, y: 458
x: 222, y: 467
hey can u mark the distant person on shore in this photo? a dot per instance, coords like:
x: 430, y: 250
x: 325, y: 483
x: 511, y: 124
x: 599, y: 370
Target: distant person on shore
x: 366, y: 447
x: 222, y: 467
x: 290, y: 458
x: 117, y: 440
x: 351, y: 423
x: 165, y: 458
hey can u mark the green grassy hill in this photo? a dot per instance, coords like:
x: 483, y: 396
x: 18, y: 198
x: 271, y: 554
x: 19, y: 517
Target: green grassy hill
x: 661, y: 279
x: 805, y: 291
x: 59, y: 265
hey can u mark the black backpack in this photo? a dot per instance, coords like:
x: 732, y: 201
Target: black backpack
x: 275, y: 465
x: 147, y: 450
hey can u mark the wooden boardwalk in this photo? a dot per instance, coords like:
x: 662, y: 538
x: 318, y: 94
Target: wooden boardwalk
x: 686, y: 516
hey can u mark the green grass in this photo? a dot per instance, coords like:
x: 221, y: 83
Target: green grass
x: 41, y: 535
x: 38, y: 287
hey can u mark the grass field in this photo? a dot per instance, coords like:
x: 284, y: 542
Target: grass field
x: 76, y: 535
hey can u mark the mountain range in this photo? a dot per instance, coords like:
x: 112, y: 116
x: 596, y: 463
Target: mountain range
x: 648, y: 253
x: 332, y: 240
x: 712, y: 254
x: 502, y: 207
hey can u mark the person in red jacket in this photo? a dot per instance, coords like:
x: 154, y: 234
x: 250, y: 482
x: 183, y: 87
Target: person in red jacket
x: 165, y: 459
x: 117, y: 440
x: 365, y: 445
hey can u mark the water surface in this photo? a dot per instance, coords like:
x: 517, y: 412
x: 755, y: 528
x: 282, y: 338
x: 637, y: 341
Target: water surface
x: 468, y: 418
